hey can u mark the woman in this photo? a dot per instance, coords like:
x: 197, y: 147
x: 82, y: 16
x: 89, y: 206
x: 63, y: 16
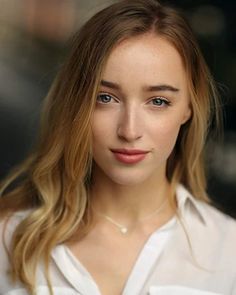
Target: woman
x: 113, y: 198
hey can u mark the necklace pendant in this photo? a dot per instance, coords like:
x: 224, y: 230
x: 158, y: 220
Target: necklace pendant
x: 124, y: 230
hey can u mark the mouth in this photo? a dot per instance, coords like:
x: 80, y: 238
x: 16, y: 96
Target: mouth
x: 129, y: 156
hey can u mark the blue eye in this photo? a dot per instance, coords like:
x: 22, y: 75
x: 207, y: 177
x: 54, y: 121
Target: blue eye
x: 104, y: 98
x: 158, y: 101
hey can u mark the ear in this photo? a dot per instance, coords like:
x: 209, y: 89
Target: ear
x: 187, y: 115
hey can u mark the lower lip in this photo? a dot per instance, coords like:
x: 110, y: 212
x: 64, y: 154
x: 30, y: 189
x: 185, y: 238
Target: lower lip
x: 129, y: 159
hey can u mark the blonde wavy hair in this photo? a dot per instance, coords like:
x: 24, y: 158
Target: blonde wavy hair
x: 54, y: 180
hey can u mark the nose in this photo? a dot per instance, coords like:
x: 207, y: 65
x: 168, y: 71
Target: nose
x: 129, y: 126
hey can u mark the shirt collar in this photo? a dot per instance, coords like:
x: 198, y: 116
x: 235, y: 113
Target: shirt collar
x: 184, y: 197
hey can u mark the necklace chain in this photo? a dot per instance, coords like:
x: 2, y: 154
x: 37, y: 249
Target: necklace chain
x: 124, y: 229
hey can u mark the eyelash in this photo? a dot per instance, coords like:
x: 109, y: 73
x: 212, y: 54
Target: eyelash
x: 102, y: 95
x: 161, y: 99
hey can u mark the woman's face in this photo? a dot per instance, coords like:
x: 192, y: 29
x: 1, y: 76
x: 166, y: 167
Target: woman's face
x: 142, y: 103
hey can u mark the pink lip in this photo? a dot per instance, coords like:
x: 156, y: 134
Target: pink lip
x: 129, y: 156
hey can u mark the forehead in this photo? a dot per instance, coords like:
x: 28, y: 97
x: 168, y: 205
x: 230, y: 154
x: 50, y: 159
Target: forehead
x: 149, y: 58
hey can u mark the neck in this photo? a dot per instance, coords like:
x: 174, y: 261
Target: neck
x: 129, y: 204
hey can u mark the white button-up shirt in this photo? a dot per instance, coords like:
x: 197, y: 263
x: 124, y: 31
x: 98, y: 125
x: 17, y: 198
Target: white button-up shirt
x: 165, y: 266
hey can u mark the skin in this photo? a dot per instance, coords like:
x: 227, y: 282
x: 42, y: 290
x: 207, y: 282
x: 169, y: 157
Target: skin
x: 132, y: 117
x: 129, y: 114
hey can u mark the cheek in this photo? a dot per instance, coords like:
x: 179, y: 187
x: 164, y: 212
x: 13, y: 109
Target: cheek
x: 102, y: 127
x: 165, y: 133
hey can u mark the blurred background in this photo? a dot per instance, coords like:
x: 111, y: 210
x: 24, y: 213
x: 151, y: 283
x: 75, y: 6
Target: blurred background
x: 33, y: 42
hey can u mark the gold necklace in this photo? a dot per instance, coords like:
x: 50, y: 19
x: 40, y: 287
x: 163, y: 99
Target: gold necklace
x: 124, y: 229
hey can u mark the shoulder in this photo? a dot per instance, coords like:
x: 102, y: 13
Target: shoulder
x: 204, y: 215
x: 215, y: 223
x: 215, y: 236
x: 214, y: 218
x: 7, y: 228
x: 9, y: 223
x: 212, y: 232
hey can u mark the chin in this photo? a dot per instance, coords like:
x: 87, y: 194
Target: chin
x: 128, y: 180
x: 123, y: 176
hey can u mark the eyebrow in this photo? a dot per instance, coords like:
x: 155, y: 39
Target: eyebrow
x: 161, y: 87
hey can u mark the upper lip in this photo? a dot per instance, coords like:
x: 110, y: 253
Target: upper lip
x: 129, y: 151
